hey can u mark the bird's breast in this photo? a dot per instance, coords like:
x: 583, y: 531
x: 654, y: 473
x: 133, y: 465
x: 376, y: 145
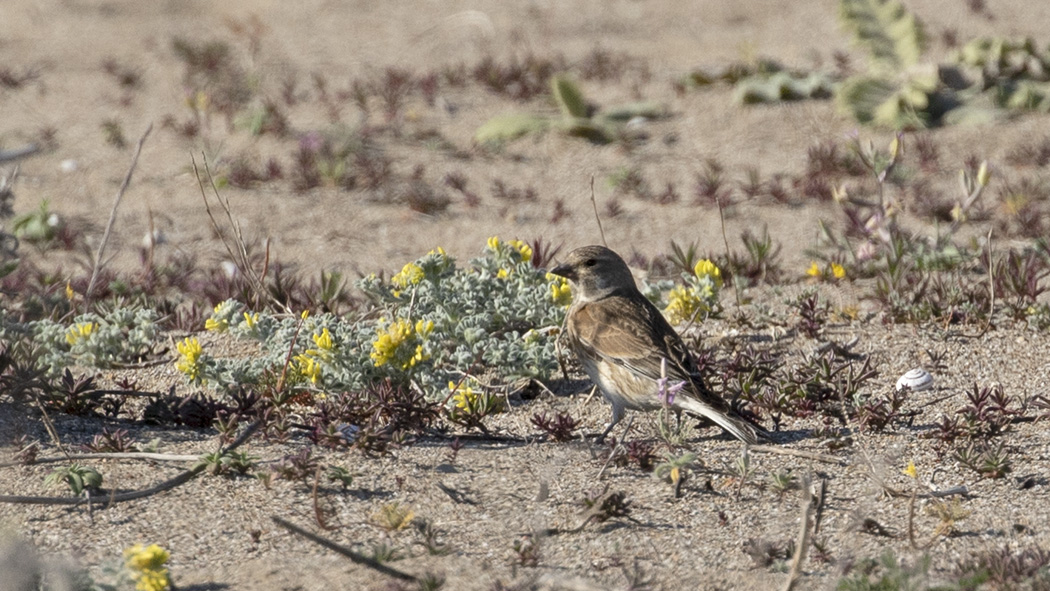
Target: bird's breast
x: 621, y: 386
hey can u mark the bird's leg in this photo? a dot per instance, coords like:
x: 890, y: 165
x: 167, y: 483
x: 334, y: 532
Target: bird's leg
x: 618, y: 412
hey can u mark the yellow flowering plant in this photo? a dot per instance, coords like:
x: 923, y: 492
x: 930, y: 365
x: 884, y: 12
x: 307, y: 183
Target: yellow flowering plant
x: 469, y: 406
x: 80, y: 331
x: 192, y: 362
x: 831, y: 270
x: 145, y: 565
x: 479, y: 314
x: 697, y: 295
x: 308, y: 364
x: 401, y: 343
x: 910, y: 471
x: 435, y: 321
x: 410, y: 274
x: 121, y: 335
x: 509, y: 255
x: 561, y: 292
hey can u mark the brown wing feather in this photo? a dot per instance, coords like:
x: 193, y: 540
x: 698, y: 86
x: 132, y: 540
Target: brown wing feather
x: 630, y: 332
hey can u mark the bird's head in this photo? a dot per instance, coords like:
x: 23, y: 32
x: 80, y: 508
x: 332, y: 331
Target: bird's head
x: 595, y: 272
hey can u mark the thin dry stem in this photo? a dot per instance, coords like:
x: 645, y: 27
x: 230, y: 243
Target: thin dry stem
x: 597, y: 218
x: 343, y: 550
x: 178, y: 480
x: 113, y: 216
x: 805, y: 527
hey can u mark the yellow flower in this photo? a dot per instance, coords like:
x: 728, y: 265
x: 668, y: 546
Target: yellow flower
x: 410, y: 274
x: 813, y: 270
x: 147, y: 567
x: 70, y: 294
x: 308, y: 367
x: 250, y: 320
x: 524, y: 249
x: 424, y: 327
x: 153, y: 580
x: 389, y: 340
x: 493, y: 243
x: 305, y: 314
x: 464, y: 396
x: 324, y: 340
x: 561, y: 292
x: 141, y: 557
x: 502, y: 273
x: 705, y: 268
x: 838, y: 271
x: 910, y: 470
x: 189, y: 362
x: 682, y: 305
x: 216, y: 325
x: 79, y: 331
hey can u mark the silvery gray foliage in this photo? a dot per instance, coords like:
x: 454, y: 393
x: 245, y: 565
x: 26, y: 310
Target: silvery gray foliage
x: 493, y: 318
x: 122, y: 335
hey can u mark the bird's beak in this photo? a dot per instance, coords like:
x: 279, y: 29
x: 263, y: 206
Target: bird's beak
x: 564, y: 271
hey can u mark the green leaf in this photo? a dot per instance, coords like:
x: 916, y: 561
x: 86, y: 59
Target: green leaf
x: 92, y: 478
x: 888, y: 102
x: 893, y: 36
x: 76, y: 482
x: 588, y: 129
x: 648, y: 109
x: 782, y: 86
x: 1029, y: 95
x: 504, y: 128
x: 568, y: 96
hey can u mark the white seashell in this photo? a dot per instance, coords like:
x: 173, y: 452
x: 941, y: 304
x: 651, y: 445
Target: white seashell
x: 917, y: 379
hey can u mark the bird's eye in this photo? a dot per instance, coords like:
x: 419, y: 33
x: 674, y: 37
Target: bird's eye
x: 591, y: 262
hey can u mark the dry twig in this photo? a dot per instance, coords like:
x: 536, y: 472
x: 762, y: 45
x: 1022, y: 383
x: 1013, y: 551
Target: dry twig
x: 135, y: 494
x: 113, y: 216
x: 343, y: 550
x: 137, y: 455
x: 806, y: 527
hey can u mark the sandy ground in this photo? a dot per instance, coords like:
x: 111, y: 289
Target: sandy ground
x: 679, y: 544
x: 67, y: 43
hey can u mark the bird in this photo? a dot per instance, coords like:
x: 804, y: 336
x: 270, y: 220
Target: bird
x: 627, y: 347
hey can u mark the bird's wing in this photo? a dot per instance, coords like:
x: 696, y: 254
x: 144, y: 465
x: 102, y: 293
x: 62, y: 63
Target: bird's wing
x: 630, y: 332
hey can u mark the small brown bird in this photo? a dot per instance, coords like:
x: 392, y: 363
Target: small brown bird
x: 626, y: 346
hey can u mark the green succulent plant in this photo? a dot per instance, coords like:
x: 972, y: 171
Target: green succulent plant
x: 577, y: 118
x: 896, y: 91
x: 77, y: 476
x: 1011, y: 75
x: 783, y: 86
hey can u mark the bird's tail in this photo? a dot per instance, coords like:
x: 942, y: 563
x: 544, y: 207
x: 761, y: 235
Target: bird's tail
x: 736, y: 425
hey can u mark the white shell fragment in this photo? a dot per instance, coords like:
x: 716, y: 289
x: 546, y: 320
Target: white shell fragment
x: 917, y: 379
